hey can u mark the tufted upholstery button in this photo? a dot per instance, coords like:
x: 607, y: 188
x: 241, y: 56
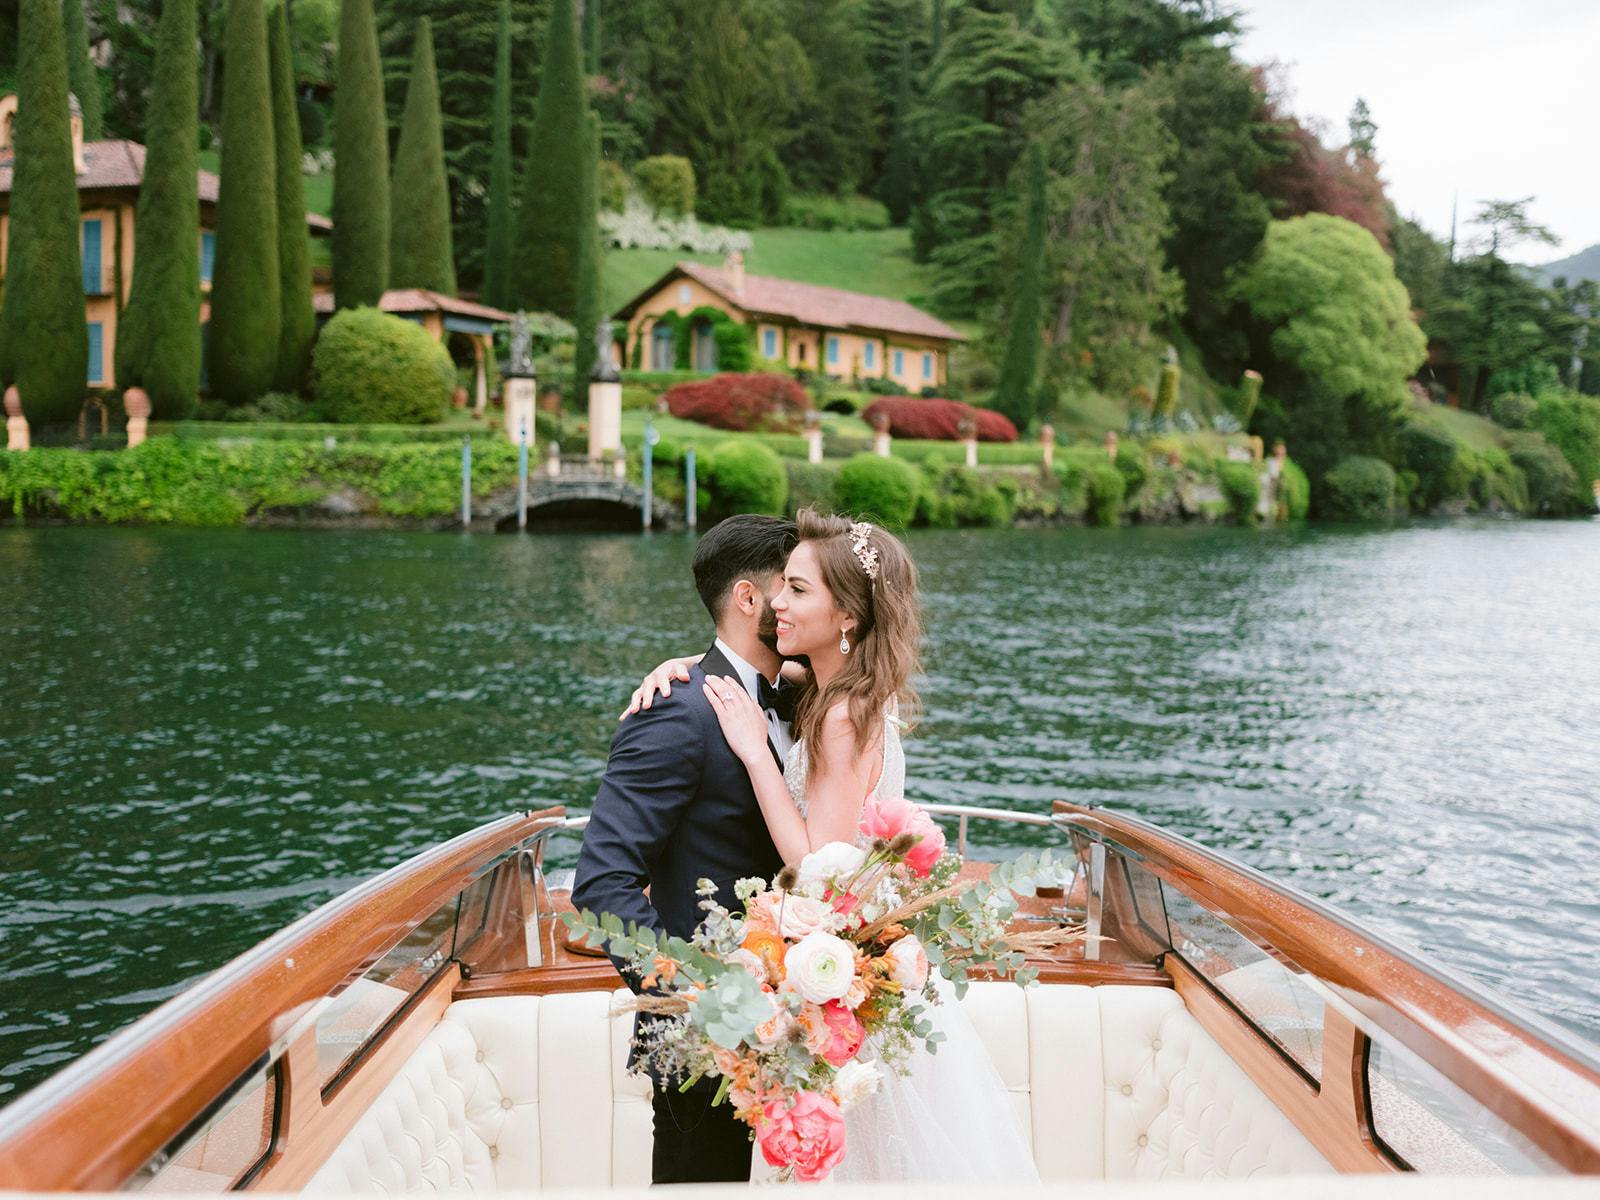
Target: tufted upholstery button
x: 1156, y: 1045
x: 1143, y: 1140
x: 494, y: 1151
x: 506, y: 1103
x: 478, y: 1057
x: 1127, y: 1089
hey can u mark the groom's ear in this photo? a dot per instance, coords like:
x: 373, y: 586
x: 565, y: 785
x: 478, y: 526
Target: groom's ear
x: 746, y: 597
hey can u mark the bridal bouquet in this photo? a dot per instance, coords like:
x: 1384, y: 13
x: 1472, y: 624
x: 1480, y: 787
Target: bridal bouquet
x: 779, y: 1001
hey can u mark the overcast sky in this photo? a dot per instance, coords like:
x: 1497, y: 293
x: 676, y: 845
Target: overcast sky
x: 1499, y: 99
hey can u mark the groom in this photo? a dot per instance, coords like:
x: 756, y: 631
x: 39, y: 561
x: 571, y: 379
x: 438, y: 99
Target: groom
x: 675, y: 806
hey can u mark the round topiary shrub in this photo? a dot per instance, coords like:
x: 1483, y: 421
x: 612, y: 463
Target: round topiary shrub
x: 1294, y: 492
x: 745, y: 477
x: 370, y: 368
x: 1105, y: 492
x: 1359, y: 488
x: 1552, y: 483
x: 1241, y: 487
x: 879, y: 489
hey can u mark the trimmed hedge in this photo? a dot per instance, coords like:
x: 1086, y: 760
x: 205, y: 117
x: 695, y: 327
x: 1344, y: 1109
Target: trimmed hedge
x: 1104, y: 495
x: 1550, y: 478
x: 880, y: 489
x: 370, y: 366
x: 745, y: 477
x: 939, y: 420
x: 1294, y: 492
x: 1241, y: 487
x: 1359, y: 488
x: 953, y: 497
x: 667, y: 184
x: 743, y: 403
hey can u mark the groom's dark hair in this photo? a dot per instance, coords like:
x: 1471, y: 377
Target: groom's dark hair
x: 747, y: 546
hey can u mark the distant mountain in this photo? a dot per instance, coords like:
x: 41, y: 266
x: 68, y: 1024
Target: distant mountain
x: 1585, y: 264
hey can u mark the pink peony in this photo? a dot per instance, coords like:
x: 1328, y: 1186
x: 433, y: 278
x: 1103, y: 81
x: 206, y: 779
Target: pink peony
x: 845, y: 1033
x: 807, y: 1135
x: 888, y: 818
x: 910, y: 963
x: 930, y: 845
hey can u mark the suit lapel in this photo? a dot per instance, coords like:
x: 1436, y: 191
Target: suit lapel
x: 715, y: 662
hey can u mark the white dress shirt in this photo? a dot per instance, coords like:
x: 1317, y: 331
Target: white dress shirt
x: 777, y: 730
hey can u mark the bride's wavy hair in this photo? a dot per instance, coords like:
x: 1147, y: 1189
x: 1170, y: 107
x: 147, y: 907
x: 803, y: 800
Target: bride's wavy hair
x: 883, y: 645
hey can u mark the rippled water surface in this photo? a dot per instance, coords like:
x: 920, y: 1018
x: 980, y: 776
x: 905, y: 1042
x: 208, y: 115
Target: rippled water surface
x: 205, y: 734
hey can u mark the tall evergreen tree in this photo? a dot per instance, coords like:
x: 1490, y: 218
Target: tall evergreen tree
x: 547, y: 255
x: 81, y: 71
x: 44, y: 339
x: 898, y: 190
x: 586, y: 314
x: 361, y: 163
x: 299, y: 322
x: 836, y: 128
x: 497, y: 251
x: 246, y: 291
x: 1014, y: 395
x: 936, y: 34
x: 158, y: 337
x: 419, y: 247
x: 591, y: 36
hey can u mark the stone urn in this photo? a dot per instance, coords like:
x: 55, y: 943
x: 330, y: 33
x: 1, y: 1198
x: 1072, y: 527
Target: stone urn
x: 16, y: 423
x: 136, y: 403
x: 967, y: 427
x: 459, y: 398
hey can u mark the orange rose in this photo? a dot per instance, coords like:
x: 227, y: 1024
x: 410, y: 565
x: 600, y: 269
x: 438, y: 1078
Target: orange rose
x: 769, y: 948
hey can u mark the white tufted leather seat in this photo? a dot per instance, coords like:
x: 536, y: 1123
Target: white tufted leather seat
x: 531, y: 1092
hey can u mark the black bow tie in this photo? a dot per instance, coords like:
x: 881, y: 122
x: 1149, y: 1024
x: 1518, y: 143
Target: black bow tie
x: 780, y: 700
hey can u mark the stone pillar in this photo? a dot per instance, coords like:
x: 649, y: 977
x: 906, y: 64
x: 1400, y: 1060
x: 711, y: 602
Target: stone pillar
x: 1280, y: 455
x: 1047, y: 441
x: 136, y: 402
x: 880, y: 436
x: 520, y: 392
x: 968, y: 429
x: 1258, y: 449
x: 552, y: 464
x: 605, y: 418
x: 1111, y: 444
x: 813, y: 436
x: 480, y: 380
x: 16, y: 423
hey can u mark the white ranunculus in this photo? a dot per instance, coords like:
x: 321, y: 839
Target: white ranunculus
x: 820, y: 967
x: 855, y: 1081
x: 799, y: 916
x: 835, y: 861
x: 910, y: 963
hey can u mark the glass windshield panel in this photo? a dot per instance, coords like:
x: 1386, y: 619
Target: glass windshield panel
x: 1433, y: 1126
x: 1272, y: 994
x: 352, y: 1017
x: 226, y: 1147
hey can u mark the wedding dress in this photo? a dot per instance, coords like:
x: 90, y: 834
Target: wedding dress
x: 950, y: 1118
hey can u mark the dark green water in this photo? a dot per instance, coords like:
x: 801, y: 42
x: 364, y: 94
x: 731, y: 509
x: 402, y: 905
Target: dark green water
x: 203, y: 734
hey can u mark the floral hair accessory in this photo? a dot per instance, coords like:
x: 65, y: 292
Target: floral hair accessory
x: 860, y: 543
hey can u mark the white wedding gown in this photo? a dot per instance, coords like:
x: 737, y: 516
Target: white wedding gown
x: 950, y: 1118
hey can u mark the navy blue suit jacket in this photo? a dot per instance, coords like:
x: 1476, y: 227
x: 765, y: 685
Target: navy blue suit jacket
x: 675, y: 806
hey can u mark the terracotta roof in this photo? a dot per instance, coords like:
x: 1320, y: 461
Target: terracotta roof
x: 809, y: 304
x: 118, y: 163
x: 415, y: 300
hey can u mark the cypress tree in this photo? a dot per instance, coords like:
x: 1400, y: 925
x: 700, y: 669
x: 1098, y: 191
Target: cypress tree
x: 550, y: 226
x: 361, y: 163
x: 497, y: 256
x: 299, y: 321
x: 83, y: 75
x: 586, y: 313
x: 158, y: 337
x: 246, y: 292
x: 899, y: 168
x: 419, y: 250
x: 44, y: 338
x: 591, y: 36
x: 1014, y: 395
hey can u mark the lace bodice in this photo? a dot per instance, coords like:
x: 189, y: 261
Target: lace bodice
x: 891, y: 780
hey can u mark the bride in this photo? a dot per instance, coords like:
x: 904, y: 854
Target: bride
x: 848, y: 606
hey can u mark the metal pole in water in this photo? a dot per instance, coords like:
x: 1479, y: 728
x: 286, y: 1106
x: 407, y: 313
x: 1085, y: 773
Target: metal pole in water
x: 689, y: 513
x: 649, y: 460
x: 522, y: 480
x: 466, y: 482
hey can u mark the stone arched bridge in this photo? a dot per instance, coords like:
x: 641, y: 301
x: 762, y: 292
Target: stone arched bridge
x: 581, y: 496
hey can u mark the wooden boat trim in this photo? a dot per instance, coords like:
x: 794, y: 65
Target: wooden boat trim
x: 74, y: 1132
x: 1527, y: 1074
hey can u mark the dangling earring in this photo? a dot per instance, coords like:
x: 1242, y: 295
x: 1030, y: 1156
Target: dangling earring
x: 844, y: 643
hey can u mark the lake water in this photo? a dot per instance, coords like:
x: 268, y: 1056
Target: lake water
x: 205, y: 734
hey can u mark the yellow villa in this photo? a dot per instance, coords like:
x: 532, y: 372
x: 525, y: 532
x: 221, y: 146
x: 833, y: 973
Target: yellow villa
x: 109, y: 177
x: 845, y: 335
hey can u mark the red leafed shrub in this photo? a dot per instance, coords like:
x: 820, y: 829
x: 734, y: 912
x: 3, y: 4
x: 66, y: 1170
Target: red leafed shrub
x: 939, y: 420
x: 741, y: 402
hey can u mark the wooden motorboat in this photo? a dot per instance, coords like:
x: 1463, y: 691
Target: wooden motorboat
x: 432, y: 1030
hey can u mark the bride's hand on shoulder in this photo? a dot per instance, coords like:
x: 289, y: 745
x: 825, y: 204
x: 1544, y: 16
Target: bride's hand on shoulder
x: 743, y: 722
x: 659, y: 683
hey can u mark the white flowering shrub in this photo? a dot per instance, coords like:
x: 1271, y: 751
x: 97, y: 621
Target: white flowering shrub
x: 637, y: 226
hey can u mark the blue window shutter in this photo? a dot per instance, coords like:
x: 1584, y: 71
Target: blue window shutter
x: 208, y: 254
x: 97, y: 368
x: 93, y: 285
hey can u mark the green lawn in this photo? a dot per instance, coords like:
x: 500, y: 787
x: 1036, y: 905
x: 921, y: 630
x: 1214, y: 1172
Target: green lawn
x: 319, y: 188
